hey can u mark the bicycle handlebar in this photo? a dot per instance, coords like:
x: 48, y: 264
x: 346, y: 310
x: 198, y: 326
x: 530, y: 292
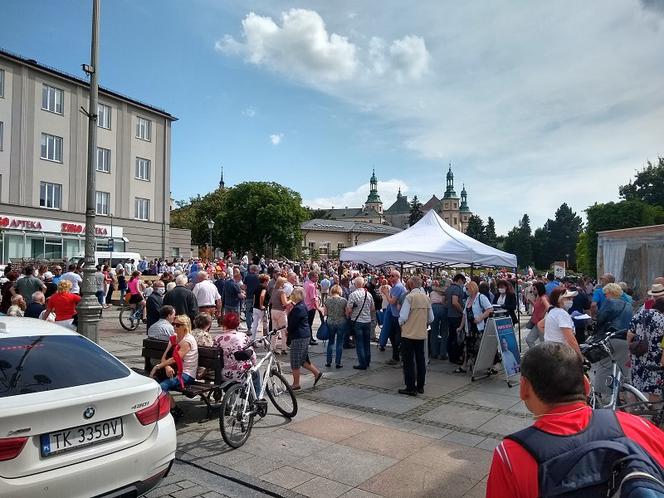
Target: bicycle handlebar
x: 262, y: 339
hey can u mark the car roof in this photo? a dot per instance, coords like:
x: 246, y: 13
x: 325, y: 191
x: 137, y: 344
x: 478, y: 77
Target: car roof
x: 12, y: 326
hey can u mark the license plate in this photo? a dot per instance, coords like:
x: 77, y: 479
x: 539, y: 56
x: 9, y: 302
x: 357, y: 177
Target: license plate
x: 78, y: 437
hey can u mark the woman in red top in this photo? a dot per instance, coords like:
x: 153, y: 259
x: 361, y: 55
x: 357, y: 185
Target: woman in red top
x: 540, y: 306
x: 63, y: 303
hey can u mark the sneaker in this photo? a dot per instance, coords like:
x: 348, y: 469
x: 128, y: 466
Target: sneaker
x: 392, y: 361
x: 381, y: 348
x: 313, y: 342
x: 408, y: 392
x: 328, y: 364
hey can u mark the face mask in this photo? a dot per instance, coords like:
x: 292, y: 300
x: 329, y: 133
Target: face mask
x: 502, y: 290
x: 567, y: 305
x: 160, y: 290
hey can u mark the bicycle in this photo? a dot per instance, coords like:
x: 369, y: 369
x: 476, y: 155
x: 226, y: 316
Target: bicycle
x: 597, y: 351
x: 130, y: 316
x: 241, y: 403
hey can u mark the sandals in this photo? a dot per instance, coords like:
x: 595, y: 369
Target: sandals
x: 459, y: 370
x: 318, y: 377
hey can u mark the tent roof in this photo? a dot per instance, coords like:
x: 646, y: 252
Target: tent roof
x: 429, y: 241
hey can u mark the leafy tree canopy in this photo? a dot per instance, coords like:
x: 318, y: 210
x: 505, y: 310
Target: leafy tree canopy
x: 475, y: 228
x: 647, y: 186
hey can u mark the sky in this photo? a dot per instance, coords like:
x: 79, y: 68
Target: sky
x: 532, y: 103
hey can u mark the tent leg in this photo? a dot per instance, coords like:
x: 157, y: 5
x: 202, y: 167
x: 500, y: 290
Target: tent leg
x: 518, y: 306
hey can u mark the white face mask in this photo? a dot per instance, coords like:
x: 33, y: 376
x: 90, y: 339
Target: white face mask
x: 502, y: 290
x: 160, y: 290
x: 567, y: 305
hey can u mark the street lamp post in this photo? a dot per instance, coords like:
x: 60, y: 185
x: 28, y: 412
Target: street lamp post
x: 89, y: 308
x: 210, y: 225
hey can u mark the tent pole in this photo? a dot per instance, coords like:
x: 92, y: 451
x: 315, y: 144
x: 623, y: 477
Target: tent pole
x: 518, y: 305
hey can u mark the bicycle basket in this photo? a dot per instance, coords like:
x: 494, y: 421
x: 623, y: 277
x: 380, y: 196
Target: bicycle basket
x: 596, y: 352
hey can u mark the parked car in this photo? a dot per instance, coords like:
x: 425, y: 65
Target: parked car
x: 74, y: 420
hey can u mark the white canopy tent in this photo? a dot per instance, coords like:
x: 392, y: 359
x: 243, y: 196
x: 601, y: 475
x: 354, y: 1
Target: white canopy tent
x: 430, y: 241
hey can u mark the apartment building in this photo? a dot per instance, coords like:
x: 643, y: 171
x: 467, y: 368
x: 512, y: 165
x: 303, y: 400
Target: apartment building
x: 43, y: 161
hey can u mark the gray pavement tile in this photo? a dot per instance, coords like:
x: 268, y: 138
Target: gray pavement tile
x: 345, y: 412
x: 319, y: 487
x: 505, y: 424
x: 488, y: 444
x: 491, y: 400
x: 430, y: 431
x: 477, y: 491
x: 345, y: 394
x: 284, y: 444
x: 463, y: 438
x: 385, y: 421
x: 316, y: 406
x: 446, y: 456
x: 230, y: 457
x: 458, y: 416
x: 497, y: 386
x: 186, y: 484
x: 213, y: 494
x: 388, y: 442
x: 395, y: 403
x: 339, y: 373
x: 258, y: 466
x: 329, y: 427
x: 407, y: 479
x: 346, y: 465
x: 359, y: 493
x: 190, y: 492
x: 520, y: 407
x: 288, y: 477
x: 389, y: 379
x: 163, y: 490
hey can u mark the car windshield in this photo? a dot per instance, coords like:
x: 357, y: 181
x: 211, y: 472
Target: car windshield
x: 44, y: 363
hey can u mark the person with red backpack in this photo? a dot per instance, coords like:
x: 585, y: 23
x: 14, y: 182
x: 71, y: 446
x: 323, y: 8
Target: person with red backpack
x: 572, y: 450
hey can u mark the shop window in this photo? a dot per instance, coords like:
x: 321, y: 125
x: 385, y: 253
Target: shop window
x: 53, y: 249
x: 71, y: 248
x: 175, y: 252
x: 13, y: 246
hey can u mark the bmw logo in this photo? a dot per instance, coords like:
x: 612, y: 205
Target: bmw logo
x: 89, y: 412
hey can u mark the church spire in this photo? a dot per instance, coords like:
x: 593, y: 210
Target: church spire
x: 449, y: 191
x: 221, y: 181
x: 373, y: 200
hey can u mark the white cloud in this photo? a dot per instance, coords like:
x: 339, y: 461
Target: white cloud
x: 356, y: 198
x: 301, y: 46
x: 250, y: 112
x: 276, y: 138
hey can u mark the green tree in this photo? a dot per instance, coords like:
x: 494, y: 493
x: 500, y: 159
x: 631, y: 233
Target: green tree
x: 582, y: 260
x: 490, y: 237
x: 648, y: 185
x: 415, y: 211
x: 475, y: 228
x: 195, y: 214
x: 613, y: 216
x: 519, y: 241
x: 564, y: 232
x: 260, y: 217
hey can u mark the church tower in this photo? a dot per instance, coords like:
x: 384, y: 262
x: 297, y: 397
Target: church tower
x: 449, y: 191
x: 373, y: 200
x: 222, y: 185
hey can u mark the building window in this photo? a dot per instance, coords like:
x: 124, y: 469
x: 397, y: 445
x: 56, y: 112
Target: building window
x: 447, y: 205
x: 103, y: 200
x: 2, y: 83
x: 2, y: 134
x: 103, y: 160
x: 142, y: 209
x: 455, y: 205
x: 104, y: 116
x: 144, y: 129
x: 50, y: 195
x: 142, y: 169
x: 455, y: 220
x: 340, y: 246
x: 175, y: 252
x: 51, y: 147
x: 312, y: 247
x: 52, y: 99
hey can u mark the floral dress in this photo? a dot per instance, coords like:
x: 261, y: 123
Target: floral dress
x: 230, y: 342
x: 648, y: 325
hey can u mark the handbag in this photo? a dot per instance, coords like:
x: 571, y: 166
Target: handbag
x: 323, y: 332
x: 638, y: 348
x: 45, y: 315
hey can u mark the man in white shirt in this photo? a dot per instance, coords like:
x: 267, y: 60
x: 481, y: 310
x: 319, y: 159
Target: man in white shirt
x: 509, y: 360
x: 74, y: 278
x: 207, y: 295
x: 162, y: 329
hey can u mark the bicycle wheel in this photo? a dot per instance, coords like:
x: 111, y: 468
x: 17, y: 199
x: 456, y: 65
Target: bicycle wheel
x: 235, y: 424
x: 127, y: 319
x: 281, y: 394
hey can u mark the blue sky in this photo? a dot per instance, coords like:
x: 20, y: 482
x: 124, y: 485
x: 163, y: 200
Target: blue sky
x: 534, y: 103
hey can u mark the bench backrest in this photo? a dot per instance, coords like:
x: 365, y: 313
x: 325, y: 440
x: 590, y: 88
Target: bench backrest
x: 208, y: 357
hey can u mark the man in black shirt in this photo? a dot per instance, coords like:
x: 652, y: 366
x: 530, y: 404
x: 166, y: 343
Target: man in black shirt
x: 154, y: 302
x: 182, y: 299
x: 251, y: 285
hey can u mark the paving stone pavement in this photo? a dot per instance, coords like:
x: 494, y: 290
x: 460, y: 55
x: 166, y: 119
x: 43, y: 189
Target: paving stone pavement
x: 354, y: 436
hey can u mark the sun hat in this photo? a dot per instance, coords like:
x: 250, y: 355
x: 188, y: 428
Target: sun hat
x: 569, y: 293
x: 656, y: 290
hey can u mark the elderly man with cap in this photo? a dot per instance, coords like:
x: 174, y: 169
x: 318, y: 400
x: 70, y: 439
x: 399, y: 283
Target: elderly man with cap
x: 51, y: 286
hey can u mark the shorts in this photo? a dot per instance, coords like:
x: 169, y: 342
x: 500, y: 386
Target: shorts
x: 299, y: 352
x: 135, y: 299
x: 173, y: 383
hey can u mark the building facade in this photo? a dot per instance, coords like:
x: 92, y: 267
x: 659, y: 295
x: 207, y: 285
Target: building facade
x: 43, y: 161
x: 329, y: 237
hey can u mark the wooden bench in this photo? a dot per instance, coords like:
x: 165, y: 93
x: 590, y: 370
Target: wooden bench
x: 210, y: 358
